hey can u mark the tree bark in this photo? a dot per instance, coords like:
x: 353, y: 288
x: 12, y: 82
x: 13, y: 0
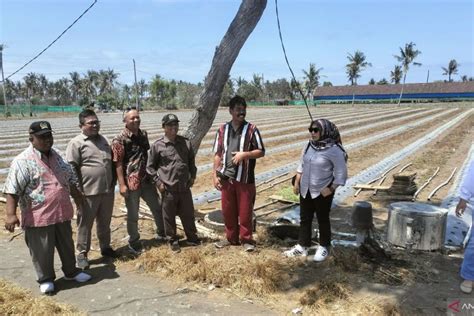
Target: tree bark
x: 403, y: 85
x: 250, y: 12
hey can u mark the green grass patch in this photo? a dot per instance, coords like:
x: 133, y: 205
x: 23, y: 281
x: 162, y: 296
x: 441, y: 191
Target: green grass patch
x: 287, y: 194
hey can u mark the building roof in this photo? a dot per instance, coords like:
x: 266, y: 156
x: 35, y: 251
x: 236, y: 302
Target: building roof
x: 435, y: 87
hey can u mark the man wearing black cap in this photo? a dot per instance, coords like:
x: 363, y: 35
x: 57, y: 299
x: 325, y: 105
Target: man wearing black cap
x: 40, y: 181
x: 171, y: 165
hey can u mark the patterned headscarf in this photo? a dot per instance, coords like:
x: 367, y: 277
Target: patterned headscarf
x: 329, y: 135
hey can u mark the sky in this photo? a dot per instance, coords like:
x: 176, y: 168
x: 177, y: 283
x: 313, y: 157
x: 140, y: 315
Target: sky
x: 177, y: 39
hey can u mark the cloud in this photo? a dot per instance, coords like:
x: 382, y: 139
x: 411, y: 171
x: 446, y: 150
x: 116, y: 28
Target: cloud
x: 111, y: 54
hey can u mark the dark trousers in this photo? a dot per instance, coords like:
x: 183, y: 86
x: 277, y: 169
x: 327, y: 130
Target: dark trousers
x: 237, y: 208
x: 308, y: 206
x: 178, y: 204
x: 42, y: 240
x: 99, y: 208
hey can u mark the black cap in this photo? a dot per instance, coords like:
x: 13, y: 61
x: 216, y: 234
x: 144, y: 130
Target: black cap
x: 40, y: 128
x: 168, y: 118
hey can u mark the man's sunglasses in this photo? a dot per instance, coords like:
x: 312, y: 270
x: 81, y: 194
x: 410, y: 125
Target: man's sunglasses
x: 313, y: 129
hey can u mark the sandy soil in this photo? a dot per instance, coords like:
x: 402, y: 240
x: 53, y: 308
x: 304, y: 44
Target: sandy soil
x: 406, y: 283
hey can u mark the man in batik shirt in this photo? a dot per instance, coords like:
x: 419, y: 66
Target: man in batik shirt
x: 40, y: 181
x: 130, y: 154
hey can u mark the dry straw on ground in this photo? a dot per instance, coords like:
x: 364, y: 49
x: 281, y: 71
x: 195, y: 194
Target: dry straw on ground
x: 326, y: 291
x: 259, y: 273
x: 17, y: 301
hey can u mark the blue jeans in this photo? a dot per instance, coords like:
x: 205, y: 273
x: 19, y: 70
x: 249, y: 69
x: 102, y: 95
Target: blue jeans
x: 467, y: 268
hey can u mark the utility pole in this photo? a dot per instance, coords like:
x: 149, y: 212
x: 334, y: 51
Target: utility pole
x: 428, y: 76
x: 3, y: 80
x: 136, y: 86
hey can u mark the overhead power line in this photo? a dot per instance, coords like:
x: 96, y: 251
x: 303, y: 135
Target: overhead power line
x: 60, y: 35
x: 288, y: 63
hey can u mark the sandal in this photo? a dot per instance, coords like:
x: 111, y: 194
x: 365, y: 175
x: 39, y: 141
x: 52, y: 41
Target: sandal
x: 466, y: 286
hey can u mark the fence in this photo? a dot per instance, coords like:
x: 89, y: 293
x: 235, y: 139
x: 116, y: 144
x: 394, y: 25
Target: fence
x: 283, y: 102
x: 25, y: 109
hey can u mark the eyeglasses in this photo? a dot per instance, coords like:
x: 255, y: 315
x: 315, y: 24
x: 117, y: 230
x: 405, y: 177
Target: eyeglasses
x: 313, y: 129
x: 91, y: 123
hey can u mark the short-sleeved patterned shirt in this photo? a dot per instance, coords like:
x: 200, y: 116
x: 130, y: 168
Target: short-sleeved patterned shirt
x: 246, y: 138
x: 132, y: 151
x: 42, y: 184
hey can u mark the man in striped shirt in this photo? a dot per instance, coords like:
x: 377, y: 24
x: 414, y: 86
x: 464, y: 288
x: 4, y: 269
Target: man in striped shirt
x: 237, y: 146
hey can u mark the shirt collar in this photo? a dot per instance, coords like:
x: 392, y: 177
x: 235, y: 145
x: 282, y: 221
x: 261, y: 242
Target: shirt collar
x: 84, y: 136
x: 240, y: 127
x: 39, y: 153
x: 128, y: 133
x: 167, y: 140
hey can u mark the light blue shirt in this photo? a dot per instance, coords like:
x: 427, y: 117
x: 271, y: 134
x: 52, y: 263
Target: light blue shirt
x: 467, y: 188
x: 319, y: 167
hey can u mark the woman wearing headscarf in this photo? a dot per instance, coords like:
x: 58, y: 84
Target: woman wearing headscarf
x: 321, y: 171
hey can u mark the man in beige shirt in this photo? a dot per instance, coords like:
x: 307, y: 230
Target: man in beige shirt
x: 90, y: 155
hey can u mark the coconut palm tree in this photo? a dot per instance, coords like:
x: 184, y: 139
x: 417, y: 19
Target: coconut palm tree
x: 89, y: 84
x: 406, y: 58
x: 452, y: 69
x: 295, y: 88
x: 311, y: 80
x: 240, y: 82
x: 106, y: 80
x: 43, y: 85
x: 21, y: 90
x: 396, y: 74
x: 10, y: 90
x: 75, y: 85
x: 62, y: 91
x: 142, y: 88
x: 257, y: 82
x: 31, y: 83
x: 357, y: 63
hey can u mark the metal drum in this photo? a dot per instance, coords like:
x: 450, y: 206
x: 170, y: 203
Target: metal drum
x: 416, y: 225
x: 362, y: 215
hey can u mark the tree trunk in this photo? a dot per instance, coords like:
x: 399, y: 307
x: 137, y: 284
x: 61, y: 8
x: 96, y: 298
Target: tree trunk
x: 401, y: 92
x: 250, y: 12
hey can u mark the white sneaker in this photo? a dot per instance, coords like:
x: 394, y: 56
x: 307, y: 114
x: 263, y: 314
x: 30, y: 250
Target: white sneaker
x: 46, y: 287
x: 321, y: 254
x: 296, y: 251
x: 80, y: 277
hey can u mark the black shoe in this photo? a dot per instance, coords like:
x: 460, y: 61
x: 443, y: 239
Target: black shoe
x: 160, y: 239
x: 109, y: 252
x: 135, y: 249
x: 193, y: 243
x: 174, y: 246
